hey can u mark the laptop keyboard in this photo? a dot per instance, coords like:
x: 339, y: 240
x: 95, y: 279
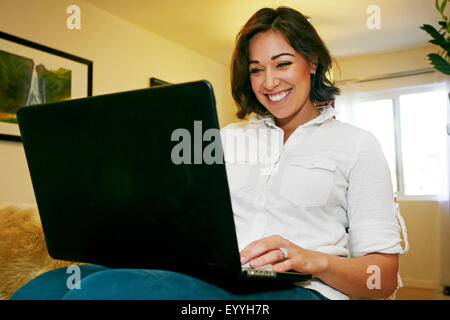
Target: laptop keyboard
x: 264, y: 271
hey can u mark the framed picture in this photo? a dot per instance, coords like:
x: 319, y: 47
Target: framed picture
x: 157, y: 82
x: 32, y: 74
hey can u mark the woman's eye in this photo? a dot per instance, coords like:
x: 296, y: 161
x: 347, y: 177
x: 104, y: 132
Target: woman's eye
x: 255, y: 70
x: 283, y: 64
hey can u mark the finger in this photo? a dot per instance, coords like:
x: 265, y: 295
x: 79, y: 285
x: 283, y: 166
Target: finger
x: 271, y: 257
x: 283, y: 266
x: 255, y: 249
x: 260, y: 247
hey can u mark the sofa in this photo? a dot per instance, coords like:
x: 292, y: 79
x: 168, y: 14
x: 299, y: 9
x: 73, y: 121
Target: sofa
x: 23, y: 252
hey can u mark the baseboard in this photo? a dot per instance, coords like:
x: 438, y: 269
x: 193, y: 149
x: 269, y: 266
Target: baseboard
x: 417, y: 283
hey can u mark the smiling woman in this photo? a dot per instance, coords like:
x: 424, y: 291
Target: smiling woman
x: 327, y: 184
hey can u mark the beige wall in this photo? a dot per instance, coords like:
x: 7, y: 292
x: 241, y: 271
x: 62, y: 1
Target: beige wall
x: 125, y: 56
x: 380, y: 64
x: 420, y: 267
x: 386, y: 64
x: 427, y: 224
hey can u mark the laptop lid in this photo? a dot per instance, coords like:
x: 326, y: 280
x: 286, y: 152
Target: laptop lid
x: 110, y: 187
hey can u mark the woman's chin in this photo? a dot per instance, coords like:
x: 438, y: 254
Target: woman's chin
x: 279, y: 113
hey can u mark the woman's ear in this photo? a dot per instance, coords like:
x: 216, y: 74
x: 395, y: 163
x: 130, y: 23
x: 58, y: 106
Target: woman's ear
x: 313, y: 64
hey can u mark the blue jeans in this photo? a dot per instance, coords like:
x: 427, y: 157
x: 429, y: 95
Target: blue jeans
x: 101, y: 283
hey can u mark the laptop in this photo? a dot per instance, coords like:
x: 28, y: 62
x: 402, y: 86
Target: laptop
x: 109, y: 191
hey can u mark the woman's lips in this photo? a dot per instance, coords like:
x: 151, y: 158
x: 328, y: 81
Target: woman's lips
x: 282, y: 96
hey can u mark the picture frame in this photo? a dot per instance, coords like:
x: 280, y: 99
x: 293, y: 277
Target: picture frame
x: 36, y: 74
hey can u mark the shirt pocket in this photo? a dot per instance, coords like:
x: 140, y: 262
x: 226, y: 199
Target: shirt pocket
x: 237, y: 174
x: 307, y: 182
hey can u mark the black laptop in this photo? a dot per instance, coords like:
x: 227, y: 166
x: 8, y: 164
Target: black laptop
x: 108, y: 190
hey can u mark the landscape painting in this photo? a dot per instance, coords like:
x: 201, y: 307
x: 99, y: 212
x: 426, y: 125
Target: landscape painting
x: 24, y: 82
x: 32, y: 74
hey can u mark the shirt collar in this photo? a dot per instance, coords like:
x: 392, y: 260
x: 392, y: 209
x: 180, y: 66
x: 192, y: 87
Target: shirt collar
x: 326, y: 113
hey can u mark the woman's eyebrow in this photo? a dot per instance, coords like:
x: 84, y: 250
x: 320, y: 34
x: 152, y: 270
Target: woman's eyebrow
x: 281, y: 54
x: 273, y: 58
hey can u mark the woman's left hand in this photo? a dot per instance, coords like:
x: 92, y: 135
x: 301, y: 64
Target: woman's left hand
x: 267, y: 251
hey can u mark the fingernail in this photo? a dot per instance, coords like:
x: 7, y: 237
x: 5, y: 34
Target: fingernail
x: 243, y: 259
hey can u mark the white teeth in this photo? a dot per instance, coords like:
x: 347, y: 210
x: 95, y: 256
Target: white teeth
x: 278, y: 97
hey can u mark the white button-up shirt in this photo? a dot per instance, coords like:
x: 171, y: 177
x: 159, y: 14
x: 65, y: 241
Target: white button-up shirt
x: 328, y: 184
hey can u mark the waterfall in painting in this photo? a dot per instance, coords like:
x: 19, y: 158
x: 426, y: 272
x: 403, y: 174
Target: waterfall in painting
x: 37, y: 89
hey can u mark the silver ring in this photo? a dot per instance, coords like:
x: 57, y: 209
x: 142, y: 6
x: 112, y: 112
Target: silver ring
x: 284, y: 253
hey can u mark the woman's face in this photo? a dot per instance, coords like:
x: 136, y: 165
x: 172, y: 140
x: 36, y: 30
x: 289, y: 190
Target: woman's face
x: 280, y: 76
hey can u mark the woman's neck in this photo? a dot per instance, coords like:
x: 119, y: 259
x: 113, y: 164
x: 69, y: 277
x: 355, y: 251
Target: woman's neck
x: 302, y: 116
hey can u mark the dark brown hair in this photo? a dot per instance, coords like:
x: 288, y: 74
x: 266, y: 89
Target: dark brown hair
x: 302, y: 37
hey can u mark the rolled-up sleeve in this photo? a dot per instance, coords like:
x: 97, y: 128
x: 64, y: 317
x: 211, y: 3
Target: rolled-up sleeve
x: 372, y: 212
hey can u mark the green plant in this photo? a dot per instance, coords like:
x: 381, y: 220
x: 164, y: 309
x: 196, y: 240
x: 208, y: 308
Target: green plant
x: 440, y: 60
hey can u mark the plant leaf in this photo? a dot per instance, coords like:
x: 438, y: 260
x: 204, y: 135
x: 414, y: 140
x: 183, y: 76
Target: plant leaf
x: 444, y: 3
x: 436, y: 3
x: 439, y: 63
x: 443, y: 44
x: 433, y: 32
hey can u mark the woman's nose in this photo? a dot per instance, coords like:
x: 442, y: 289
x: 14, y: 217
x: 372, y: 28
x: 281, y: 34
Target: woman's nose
x: 271, y: 80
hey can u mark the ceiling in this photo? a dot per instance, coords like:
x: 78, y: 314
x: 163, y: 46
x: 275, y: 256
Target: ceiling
x: 210, y: 26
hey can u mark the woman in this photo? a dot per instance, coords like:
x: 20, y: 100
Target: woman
x: 323, y: 183
x: 316, y: 183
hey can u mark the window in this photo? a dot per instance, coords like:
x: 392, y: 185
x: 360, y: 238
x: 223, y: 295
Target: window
x: 410, y: 124
x: 423, y: 120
